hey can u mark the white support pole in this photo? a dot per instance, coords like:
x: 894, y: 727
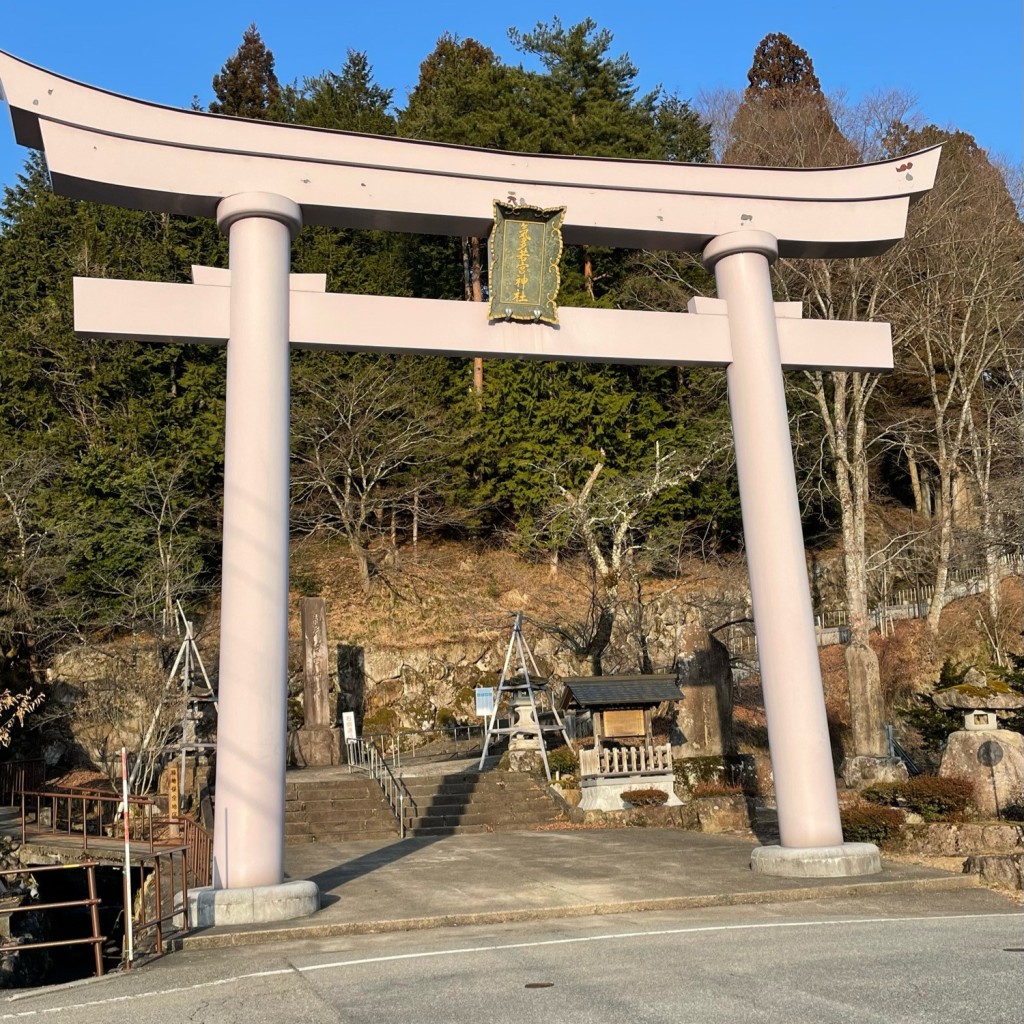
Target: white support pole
x: 805, y: 787
x: 248, y: 843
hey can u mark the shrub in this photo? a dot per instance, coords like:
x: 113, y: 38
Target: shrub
x: 933, y: 797
x: 731, y: 770
x: 645, y: 797
x: 563, y: 760
x: 869, y: 823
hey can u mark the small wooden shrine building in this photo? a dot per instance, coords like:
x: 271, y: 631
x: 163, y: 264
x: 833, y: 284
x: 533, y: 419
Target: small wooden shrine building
x: 621, y: 708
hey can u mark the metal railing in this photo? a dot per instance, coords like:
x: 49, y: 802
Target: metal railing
x: 176, y: 909
x: 831, y: 626
x: 16, y: 776
x: 367, y: 757
x: 89, y: 814
x: 95, y: 939
x: 411, y: 744
x: 198, y: 850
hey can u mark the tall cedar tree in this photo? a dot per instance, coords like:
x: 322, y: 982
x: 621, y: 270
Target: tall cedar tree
x: 784, y: 119
x: 247, y: 85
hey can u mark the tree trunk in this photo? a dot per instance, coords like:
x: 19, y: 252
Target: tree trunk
x: 477, y: 295
x: 915, y: 484
x: 945, y: 551
x: 415, y: 523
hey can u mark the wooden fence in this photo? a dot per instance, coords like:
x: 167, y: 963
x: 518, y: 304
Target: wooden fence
x: 626, y: 761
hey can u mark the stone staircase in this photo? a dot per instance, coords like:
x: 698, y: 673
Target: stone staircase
x: 337, y: 811
x: 474, y: 802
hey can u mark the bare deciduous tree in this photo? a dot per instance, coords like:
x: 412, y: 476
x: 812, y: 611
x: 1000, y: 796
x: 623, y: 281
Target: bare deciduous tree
x: 365, y: 446
x: 607, y: 517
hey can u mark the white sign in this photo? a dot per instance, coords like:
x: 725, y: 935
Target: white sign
x: 484, y: 701
x: 348, y: 725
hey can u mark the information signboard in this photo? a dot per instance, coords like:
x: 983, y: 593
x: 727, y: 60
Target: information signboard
x: 484, y: 701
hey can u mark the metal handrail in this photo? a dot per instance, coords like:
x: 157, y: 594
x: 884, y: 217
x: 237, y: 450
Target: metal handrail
x: 403, y: 742
x: 369, y: 758
x: 95, y: 939
x: 98, y: 811
x: 16, y: 776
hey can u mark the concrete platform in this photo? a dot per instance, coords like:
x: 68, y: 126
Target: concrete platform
x: 412, y: 884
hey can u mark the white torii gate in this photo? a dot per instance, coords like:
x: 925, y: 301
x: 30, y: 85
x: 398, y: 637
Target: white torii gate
x: 263, y: 181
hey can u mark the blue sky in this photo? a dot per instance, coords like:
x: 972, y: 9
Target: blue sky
x: 962, y: 61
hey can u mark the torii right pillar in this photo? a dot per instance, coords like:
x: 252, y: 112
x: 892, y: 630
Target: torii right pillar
x: 810, y: 831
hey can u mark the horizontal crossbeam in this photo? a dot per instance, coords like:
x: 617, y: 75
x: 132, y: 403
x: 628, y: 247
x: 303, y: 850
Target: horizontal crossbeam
x: 113, y: 149
x: 198, y: 313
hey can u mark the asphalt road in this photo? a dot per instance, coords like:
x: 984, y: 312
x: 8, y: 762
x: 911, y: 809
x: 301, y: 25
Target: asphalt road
x: 942, y: 957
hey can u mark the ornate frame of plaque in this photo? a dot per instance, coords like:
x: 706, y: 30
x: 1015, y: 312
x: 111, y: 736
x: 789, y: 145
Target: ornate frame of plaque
x: 525, y: 247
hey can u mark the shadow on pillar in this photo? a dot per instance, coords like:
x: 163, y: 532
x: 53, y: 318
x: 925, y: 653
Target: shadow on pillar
x: 351, y: 694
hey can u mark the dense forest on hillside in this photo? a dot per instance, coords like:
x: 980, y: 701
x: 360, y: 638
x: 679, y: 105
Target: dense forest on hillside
x: 111, y: 452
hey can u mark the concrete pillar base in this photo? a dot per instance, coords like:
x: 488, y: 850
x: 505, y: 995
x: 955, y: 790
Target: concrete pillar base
x: 817, y: 861
x: 258, y: 904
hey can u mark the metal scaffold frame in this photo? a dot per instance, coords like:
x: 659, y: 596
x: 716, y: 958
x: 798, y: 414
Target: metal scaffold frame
x: 522, y: 682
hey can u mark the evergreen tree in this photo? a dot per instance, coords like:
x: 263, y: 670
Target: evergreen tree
x: 780, y: 71
x: 247, y: 85
x: 784, y: 119
x: 89, y: 428
x: 348, y: 101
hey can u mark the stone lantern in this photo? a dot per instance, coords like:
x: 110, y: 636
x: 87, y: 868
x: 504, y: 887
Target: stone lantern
x: 992, y: 758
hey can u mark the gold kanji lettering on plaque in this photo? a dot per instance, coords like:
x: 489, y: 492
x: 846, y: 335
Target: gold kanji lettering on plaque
x: 526, y: 245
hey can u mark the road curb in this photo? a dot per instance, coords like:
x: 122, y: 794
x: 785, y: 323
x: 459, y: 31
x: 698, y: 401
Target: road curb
x: 218, y: 939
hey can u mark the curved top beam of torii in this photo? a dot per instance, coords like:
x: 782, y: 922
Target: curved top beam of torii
x: 112, y: 149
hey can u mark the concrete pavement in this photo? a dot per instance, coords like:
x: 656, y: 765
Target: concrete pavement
x: 413, y: 884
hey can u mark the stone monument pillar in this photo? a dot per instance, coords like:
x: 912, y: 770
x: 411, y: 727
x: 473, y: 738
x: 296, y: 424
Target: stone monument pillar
x: 319, y: 739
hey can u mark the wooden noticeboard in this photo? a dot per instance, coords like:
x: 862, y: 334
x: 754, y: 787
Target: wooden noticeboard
x: 623, y: 723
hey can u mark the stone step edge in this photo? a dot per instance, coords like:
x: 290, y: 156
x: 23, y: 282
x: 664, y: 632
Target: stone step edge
x: 248, y: 935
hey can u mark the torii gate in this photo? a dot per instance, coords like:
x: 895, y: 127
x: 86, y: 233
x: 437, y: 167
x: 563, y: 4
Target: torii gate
x: 263, y: 181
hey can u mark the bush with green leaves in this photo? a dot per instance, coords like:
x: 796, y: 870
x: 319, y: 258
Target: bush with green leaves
x: 645, y: 797
x: 934, y: 797
x: 869, y: 823
x: 564, y: 761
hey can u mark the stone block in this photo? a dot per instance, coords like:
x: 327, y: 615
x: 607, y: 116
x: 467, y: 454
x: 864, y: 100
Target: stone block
x: 606, y: 794
x: 994, y: 761
x: 840, y: 861
x: 958, y: 839
x: 1006, y: 871
x: 315, y: 746
x: 725, y: 813
x: 209, y: 907
x: 863, y: 771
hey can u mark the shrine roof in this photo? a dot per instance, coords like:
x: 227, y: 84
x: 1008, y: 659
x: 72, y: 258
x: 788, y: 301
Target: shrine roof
x: 596, y: 692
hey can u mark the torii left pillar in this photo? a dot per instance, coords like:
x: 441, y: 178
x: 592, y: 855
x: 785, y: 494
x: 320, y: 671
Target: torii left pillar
x: 248, y: 837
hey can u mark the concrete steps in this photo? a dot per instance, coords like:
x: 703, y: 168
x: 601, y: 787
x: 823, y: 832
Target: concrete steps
x: 473, y: 803
x: 353, y: 808
x: 337, y: 811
